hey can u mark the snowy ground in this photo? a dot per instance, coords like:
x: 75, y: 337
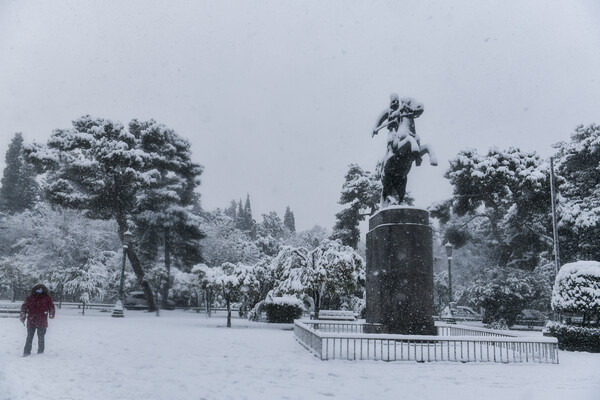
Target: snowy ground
x: 184, y: 355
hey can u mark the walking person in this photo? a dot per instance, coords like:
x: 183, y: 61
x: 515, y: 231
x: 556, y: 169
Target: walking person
x: 36, y: 309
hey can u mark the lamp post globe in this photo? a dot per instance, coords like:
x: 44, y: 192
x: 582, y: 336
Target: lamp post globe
x: 118, y: 309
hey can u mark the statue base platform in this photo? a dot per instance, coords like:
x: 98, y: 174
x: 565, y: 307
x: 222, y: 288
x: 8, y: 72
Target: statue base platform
x: 399, y: 280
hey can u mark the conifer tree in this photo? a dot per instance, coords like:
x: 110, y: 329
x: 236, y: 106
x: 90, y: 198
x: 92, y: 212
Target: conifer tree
x: 507, y: 192
x: 243, y: 217
x: 109, y: 171
x: 361, y: 193
x: 167, y: 220
x: 248, y: 221
x: 19, y: 188
x: 231, y: 211
x: 578, y: 168
x: 289, y: 221
x: 239, y: 215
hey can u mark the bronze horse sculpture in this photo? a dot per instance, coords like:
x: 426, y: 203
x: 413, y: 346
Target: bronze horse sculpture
x: 403, y: 147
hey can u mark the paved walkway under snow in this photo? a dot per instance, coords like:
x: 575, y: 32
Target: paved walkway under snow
x: 184, y: 355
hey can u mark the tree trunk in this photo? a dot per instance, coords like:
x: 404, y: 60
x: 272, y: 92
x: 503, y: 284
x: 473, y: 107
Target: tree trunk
x: 166, y: 285
x: 156, y: 296
x: 208, y: 303
x: 317, y: 300
x: 228, y: 300
x: 136, y: 264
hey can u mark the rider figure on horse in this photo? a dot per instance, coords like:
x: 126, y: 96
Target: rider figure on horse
x: 410, y: 108
x: 403, y: 147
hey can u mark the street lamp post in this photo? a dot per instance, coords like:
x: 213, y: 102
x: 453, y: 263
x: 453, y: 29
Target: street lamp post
x: 449, y: 257
x: 118, y: 309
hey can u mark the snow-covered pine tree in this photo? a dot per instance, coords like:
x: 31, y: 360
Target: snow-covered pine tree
x: 19, y: 187
x: 578, y: 170
x: 288, y: 220
x: 231, y: 211
x: 246, y: 221
x: 166, y: 220
x: 101, y: 167
x: 270, y: 234
x: 507, y: 193
x: 361, y: 193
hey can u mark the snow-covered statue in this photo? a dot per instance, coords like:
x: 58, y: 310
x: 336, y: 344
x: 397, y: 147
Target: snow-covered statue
x: 403, y: 147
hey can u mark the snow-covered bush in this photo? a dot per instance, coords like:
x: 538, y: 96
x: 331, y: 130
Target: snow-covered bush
x: 575, y: 338
x: 284, y: 309
x: 577, y: 290
x: 503, y: 293
x: 330, y: 269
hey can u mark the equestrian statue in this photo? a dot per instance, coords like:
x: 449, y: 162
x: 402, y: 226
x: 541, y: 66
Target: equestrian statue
x: 403, y: 147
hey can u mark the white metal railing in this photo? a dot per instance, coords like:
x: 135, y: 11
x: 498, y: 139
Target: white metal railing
x: 337, y: 340
x: 445, y: 329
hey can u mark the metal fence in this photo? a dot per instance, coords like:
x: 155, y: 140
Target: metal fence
x: 337, y: 340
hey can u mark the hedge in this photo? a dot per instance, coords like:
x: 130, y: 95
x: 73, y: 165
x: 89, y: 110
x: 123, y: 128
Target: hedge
x: 282, y: 313
x: 575, y: 338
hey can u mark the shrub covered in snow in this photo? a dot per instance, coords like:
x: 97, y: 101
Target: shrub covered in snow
x: 503, y: 293
x: 283, y: 309
x: 330, y: 269
x: 577, y: 290
x: 575, y: 338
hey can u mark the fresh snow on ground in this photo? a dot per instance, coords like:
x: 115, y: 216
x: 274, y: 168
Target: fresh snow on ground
x: 185, y: 355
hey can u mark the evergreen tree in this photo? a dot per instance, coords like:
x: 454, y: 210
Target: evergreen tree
x: 231, y: 210
x: 243, y: 217
x: 167, y: 219
x: 108, y: 171
x: 239, y: 216
x: 270, y: 234
x: 289, y: 221
x: 19, y: 188
x: 506, y: 196
x: 361, y: 192
x: 247, y: 220
x: 578, y: 168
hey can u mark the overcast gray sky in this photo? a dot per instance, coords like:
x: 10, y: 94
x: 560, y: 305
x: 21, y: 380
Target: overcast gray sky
x: 278, y: 97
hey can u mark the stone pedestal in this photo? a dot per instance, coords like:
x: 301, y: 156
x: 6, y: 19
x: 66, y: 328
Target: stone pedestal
x: 400, y: 271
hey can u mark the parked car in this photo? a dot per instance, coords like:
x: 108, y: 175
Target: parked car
x: 137, y: 301
x: 461, y: 313
x: 531, y: 319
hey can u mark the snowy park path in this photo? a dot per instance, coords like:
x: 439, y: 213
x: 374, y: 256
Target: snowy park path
x: 185, y: 355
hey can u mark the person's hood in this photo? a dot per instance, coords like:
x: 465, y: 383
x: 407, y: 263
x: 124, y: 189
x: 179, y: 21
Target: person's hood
x: 39, y: 286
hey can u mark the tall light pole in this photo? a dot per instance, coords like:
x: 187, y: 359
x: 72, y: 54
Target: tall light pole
x: 554, y: 219
x: 118, y: 309
x: 449, y: 257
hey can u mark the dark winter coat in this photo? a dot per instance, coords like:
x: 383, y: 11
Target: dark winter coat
x: 37, y: 308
